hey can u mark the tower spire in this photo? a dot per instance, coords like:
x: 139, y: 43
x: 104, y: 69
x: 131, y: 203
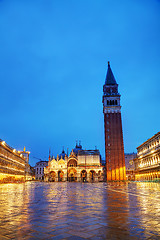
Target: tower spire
x: 110, y: 79
x: 49, y: 154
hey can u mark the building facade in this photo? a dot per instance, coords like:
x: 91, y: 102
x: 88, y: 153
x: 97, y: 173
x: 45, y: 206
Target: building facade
x: 130, y: 167
x: 147, y: 162
x: 80, y: 166
x: 114, y: 148
x: 29, y: 171
x: 13, y: 164
x: 39, y: 170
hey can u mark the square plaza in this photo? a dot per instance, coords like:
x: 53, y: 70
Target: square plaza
x: 69, y: 210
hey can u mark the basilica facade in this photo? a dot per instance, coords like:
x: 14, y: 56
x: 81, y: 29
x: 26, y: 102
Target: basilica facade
x: 79, y: 166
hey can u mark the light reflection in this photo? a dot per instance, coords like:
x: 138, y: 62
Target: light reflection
x: 14, y: 202
x: 69, y: 198
x: 117, y: 214
x: 122, y: 209
x: 149, y: 195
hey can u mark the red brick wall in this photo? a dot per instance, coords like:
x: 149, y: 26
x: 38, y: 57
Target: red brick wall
x: 114, y: 148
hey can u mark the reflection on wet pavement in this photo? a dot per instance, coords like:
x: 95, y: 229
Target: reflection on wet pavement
x: 78, y: 211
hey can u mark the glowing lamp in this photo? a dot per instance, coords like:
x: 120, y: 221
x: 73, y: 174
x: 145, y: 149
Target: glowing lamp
x: 3, y: 143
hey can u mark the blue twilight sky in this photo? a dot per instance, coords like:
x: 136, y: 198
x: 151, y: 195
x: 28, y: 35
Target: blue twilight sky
x: 53, y: 63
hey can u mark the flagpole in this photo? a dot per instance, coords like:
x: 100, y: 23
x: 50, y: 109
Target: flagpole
x: 85, y: 166
x: 67, y: 164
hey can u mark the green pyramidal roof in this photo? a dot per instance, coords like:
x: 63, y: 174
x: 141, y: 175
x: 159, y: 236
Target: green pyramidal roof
x: 110, y: 79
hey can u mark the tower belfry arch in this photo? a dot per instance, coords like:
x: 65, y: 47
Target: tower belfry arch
x: 114, y: 147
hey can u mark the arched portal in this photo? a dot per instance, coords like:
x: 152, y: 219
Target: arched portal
x: 52, y: 177
x: 84, y: 176
x: 60, y: 176
x: 72, y: 175
x: 129, y: 178
x: 92, y: 175
x: 72, y: 163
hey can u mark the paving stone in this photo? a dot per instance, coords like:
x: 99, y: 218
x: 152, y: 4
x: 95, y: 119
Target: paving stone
x: 76, y: 211
x: 2, y: 237
x: 75, y: 238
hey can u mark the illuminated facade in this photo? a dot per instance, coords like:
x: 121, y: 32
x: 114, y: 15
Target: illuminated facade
x: 39, y: 170
x: 80, y: 166
x: 130, y: 168
x: 147, y: 163
x: 14, y: 166
x: 114, y: 148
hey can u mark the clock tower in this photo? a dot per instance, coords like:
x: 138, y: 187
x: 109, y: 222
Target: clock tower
x: 114, y: 147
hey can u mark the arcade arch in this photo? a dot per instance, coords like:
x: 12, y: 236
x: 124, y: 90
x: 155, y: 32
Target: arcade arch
x: 72, y: 175
x: 52, y: 176
x: 72, y: 163
x: 92, y: 175
x: 60, y: 176
x: 84, y: 176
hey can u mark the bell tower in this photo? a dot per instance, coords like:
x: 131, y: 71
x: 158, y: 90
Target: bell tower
x: 114, y: 147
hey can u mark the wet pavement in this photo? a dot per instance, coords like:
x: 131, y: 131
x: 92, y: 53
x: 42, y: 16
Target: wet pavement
x: 77, y: 211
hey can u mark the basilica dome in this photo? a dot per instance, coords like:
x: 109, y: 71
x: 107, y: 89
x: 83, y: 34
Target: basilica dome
x: 77, y: 148
x: 62, y: 154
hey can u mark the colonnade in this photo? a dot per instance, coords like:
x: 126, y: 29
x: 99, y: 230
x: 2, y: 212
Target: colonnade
x: 147, y: 176
x: 73, y: 175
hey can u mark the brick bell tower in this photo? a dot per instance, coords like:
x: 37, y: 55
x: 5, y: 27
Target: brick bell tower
x: 114, y: 148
